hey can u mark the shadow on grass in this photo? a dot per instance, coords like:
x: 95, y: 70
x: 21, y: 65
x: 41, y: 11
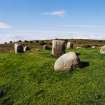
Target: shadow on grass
x: 84, y: 64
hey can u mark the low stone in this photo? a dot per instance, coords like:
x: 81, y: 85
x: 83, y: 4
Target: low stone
x: 66, y: 62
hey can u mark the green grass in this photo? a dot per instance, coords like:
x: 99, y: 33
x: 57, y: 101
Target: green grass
x: 29, y: 79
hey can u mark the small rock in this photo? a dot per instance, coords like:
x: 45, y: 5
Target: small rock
x: 93, y: 47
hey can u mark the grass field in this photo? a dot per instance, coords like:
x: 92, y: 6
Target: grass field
x: 29, y: 79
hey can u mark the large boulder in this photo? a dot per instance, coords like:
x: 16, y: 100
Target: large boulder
x: 102, y: 50
x: 67, y: 62
x: 19, y: 48
x: 58, y: 47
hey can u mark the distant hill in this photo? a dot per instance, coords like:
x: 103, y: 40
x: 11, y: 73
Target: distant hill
x: 39, y: 43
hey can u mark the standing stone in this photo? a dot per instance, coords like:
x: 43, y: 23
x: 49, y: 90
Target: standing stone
x: 18, y: 48
x: 102, y: 50
x: 58, y: 47
x: 69, y: 45
x: 26, y: 48
x: 67, y: 62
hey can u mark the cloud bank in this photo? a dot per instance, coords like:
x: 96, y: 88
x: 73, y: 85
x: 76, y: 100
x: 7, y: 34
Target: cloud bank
x: 53, y: 32
x: 4, y: 25
x: 58, y: 13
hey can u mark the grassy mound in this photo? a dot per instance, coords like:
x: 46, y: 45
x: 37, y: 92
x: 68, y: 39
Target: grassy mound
x: 29, y: 79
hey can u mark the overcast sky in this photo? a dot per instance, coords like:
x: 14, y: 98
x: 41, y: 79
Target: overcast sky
x: 46, y: 19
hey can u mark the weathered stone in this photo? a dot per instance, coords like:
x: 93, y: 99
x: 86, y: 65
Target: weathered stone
x: 69, y: 45
x: 58, y: 47
x: 67, y: 62
x: 26, y: 48
x: 46, y: 47
x: 102, y: 50
x: 93, y: 47
x: 78, y: 47
x: 18, y: 48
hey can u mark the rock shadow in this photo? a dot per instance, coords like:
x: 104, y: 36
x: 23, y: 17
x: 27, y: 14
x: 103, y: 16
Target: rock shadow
x: 83, y: 64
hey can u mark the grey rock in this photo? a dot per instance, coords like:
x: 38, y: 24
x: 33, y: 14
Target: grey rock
x: 67, y: 62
